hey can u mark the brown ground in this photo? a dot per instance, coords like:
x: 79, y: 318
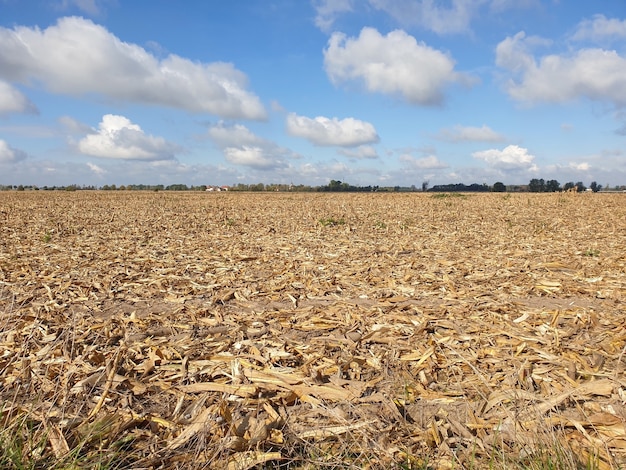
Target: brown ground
x: 311, y: 330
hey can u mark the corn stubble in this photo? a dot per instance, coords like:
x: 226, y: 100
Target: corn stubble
x: 238, y: 331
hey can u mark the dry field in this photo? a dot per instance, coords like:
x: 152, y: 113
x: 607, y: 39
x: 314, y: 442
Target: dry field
x: 304, y: 331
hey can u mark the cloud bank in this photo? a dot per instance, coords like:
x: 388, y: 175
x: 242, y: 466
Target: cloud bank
x: 78, y: 57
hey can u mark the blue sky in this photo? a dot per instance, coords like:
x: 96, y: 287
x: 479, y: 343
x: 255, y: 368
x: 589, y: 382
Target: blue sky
x: 370, y: 92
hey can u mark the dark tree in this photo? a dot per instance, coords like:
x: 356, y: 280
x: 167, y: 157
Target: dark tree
x: 595, y: 187
x: 425, y: 186
x: 537, y: 185
x: 568, y: 186
x: 580, y: 187
x: 499, y: 187
x: 553, y: 186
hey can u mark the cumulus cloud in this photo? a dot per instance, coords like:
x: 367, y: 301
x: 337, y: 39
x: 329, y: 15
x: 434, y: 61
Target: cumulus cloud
x: 323, y: 131
x: 13, y: 101
x: 241, y: 146
x: 328, y: 10
x: 600, y: 28
x: 470, y: 134
x: 393, y: 64
x: 596, y: 74
x: 10, y: 155
x: 512, y: 157
x: 362, y: 152
x: 78, y: 57
x: 431, y: 162
x: 454, y: 17
x: 118, y: 138
x: 255, y: 157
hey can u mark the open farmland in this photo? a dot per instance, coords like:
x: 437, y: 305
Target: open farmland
x: 254, y: 330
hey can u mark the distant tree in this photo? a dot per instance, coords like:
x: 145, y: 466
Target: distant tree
x: 581, y: 187
x: 425, y: 185
x: 20, y: 188
x: 459, y: 187
x: 334, y: 185
x: 499, y: 187
x: 537, y: 185
x: 568, y: 186
x: 553, y: 186
x: 595, y: 187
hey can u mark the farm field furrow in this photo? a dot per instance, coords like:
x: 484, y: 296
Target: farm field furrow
x: 312, y: 330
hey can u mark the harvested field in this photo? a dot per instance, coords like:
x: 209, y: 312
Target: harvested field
x: 301, y: 331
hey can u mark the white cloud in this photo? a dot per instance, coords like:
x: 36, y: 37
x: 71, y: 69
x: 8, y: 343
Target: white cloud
x: 9, y: 154
x: 430, y: 162
x: 118, y: 138
x: 512, y: 157
x: 362, y: 152
x: 78, y: 57
x: 255, y: 157
x: 600, y: 28
x: 229, y: 136
x: 323, y: 131
x: 328, y: 10
x: 96, y: 169
x: 13, y: 101
x: 431, y: 15
x: 595, y: 74
x: 242, y: 147
x: 583, y: 166
x: 470, y: 134
x: 392, y: 64
x: 513, y: 53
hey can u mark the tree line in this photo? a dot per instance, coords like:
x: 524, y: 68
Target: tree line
x: 536, y: 185
x: 553, y: 186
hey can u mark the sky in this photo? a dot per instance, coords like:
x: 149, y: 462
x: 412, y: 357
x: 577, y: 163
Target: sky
x: 368, y: 92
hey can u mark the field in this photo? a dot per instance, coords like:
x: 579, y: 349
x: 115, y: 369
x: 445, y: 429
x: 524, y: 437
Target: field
x: 305, y: 331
